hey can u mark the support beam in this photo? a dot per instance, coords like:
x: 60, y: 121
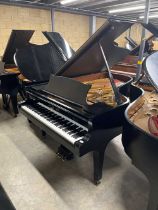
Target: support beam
x: 92, y: 25
x: 143, y: 39
x: 52, y: 18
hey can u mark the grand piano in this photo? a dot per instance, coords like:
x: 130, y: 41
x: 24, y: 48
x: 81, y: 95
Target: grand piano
x: 18, y: 39
x: 128, y: 65
x: 37, y: 62
x: 58, y: 41
x: 9, y: 71
x: 82, y: 107
x: 37, y: 58
x: 140, y: 130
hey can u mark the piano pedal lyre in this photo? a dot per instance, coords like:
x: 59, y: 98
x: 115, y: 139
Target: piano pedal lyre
x: 64, y: 154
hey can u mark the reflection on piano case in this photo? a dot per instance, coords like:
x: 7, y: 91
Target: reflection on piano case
x: 82, y: 106
x: 37, y: 62
x: 140, y: 131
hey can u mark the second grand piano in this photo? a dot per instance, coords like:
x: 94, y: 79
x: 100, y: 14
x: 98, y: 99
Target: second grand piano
x: 82, y: 106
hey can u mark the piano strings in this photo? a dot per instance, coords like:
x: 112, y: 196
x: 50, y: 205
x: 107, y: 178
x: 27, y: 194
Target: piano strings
x: 101, y: 91
x: 146, y: 109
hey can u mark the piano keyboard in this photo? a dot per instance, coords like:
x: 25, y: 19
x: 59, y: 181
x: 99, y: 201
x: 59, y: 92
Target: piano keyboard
x: 62, y: 125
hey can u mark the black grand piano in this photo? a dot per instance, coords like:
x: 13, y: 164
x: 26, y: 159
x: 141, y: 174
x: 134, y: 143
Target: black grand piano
x: 8, y: 71
x: 18, y: 39
x: 82, y: 107
x: 42, y: 60
x: 140, y: 130
x: 37, y: 62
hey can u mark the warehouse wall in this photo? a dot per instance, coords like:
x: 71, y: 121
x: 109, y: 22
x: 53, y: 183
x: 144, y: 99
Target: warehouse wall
x: 23, y: 18
x: 100, y: 22
x: 74, y: 28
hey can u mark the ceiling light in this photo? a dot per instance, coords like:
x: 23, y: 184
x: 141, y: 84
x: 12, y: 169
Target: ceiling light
x: 126, y: 9
x: 67, y: 1
x: 150, y: 16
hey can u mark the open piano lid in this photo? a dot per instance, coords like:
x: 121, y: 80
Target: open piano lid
x: 150, y: 66
x: 17, y: 39
x: 153, y: 29
x: 37, y: 62
x: 88, y: 59
x: 59, y: 42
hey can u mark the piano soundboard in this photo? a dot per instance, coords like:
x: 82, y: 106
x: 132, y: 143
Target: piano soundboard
x: 143, y: 113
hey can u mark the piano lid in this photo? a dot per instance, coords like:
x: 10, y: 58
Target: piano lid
x: 150, y: 65
x: 58, y: 41
x: 37, y: 62
x: 17, y: 39
x: 88, y: 59
x: 154, y: 30
x: 1, y: 66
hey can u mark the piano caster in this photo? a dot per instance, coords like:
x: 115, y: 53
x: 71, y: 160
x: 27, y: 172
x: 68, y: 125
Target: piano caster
x: 64, y: 154
x: 97, y: 182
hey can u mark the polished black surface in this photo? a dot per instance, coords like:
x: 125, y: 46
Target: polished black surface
x: 5, y: 203
x: 58, y: 41
x: 37, y: 62
x: 9, y: 89
x: 88, y: 59
x: 18, y: 39
x: 9, y: 85
x: 1, y: 66
x: 65, y: 97
x: 141, y: 146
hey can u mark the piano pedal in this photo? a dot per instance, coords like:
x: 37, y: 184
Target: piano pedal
x: 64, y: 154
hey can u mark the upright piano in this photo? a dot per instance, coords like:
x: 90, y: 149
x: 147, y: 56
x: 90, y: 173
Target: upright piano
x: 82, y: 107
x: 140, y: 130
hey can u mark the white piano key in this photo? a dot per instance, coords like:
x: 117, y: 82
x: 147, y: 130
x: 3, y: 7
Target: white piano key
x: 56, y: 129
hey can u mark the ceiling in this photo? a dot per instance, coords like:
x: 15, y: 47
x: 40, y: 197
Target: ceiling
x: 93, y: 7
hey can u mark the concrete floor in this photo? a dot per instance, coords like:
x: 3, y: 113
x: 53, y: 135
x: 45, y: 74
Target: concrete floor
x: 34, y: 178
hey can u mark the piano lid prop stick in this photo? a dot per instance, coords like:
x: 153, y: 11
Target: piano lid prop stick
x: 116, y: 92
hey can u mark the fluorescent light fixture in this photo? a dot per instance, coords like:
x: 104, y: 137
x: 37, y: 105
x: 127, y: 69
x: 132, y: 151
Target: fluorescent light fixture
x: 126, y: 9
x: 150, y: 16
x: 67, y: 1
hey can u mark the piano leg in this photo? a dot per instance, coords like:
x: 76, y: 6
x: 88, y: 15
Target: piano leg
x: 13, y: 99
x: 98, y: 159
x: 5, y: 99
x: 153, y: 199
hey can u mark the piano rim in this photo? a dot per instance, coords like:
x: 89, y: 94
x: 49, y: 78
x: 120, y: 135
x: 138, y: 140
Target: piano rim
x: 127, y: 120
